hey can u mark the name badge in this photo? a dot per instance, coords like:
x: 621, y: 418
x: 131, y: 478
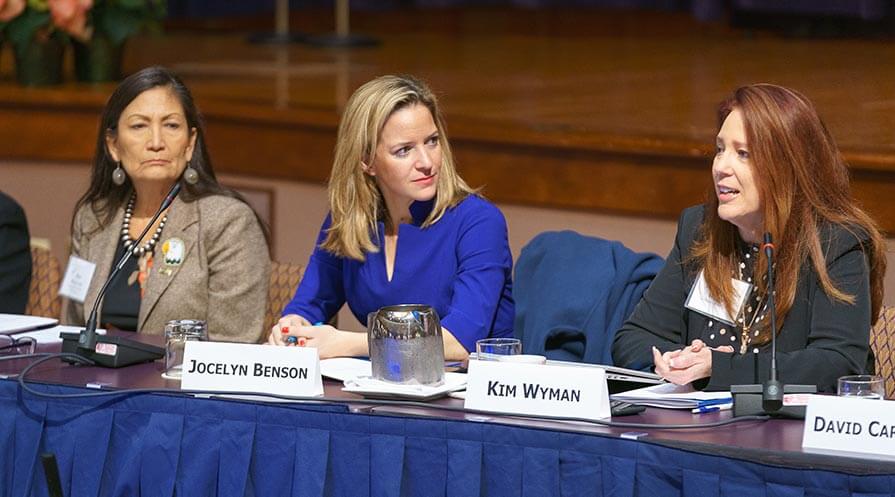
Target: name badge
x: 238, y: 367
x: 701, y: 301
x: 520, y: 388
x: 849, y: 425
x: 77, y: 279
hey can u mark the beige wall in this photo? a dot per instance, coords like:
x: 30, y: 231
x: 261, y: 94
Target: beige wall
x: 49, y: 191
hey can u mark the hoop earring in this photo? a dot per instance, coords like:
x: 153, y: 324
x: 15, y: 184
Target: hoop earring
x: 118, y: 175
x: 190, y: 175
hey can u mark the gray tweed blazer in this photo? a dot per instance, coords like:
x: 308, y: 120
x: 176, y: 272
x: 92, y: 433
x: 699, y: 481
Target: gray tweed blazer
x: 223, y: 278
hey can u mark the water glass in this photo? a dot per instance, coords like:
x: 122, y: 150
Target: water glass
x: 491, y: 349
x: 177, y: 333
x: 862, y: 386
x: 524, y: 359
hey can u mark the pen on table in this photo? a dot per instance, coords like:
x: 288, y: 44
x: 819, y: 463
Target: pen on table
x: 294, y: 340
x: 291, y: 339
x: 714, y: 408
x: 714, y: 402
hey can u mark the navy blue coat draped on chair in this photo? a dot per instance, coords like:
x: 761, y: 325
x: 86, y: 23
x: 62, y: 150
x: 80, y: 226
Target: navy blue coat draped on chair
x: 573, y: 292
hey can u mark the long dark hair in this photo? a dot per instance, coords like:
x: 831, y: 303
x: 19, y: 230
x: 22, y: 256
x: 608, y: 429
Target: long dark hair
x: 103, y: 196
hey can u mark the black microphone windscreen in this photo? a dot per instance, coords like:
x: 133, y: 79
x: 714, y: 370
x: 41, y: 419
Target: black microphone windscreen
x: 171, y: 195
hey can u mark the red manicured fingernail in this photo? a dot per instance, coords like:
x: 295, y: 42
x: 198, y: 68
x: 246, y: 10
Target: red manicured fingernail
x: 284, y: 330
x: 302, y: 341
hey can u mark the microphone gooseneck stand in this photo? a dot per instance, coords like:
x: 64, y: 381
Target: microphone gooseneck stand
x: 767, y: 398
x: 109, y: 351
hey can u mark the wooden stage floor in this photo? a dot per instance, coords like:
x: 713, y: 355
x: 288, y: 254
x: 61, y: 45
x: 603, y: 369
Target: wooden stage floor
x: 597, y: 110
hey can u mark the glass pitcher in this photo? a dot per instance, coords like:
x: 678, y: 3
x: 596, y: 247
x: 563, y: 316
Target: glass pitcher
x: 406, y: 345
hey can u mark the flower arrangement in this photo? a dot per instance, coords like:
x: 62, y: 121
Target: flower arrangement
x: 84, y: 22
x: 118, y: 20
x: 27, y: 20
x: 80, y: 19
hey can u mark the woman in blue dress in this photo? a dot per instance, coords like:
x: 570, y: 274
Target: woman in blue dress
x: 403, y: 228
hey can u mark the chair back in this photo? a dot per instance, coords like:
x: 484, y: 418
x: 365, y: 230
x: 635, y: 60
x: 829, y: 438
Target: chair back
x: 284, y: 278
x: 882, y: 341
x: 43, y: 294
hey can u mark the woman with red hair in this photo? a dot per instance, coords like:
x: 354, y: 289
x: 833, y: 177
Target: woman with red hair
x: 706, y: 318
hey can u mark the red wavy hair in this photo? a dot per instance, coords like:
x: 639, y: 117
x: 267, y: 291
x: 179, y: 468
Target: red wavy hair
x: 803, y: 183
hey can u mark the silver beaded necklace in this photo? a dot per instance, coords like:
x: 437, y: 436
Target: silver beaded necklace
x: 126, y: 235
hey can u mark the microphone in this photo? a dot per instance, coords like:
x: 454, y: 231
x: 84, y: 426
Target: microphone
x: 108, y: 351
x: 767, y: 398
x: 772, y: 393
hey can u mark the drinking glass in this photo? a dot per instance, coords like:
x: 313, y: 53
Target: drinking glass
x: 491, y: 349
x: 862, y: 386
x: 177, y: 333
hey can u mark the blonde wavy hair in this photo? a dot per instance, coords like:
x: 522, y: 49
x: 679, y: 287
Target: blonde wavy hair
x: 355, y: 202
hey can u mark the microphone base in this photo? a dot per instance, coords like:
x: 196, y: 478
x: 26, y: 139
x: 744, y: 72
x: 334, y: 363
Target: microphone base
x: 747, y: 401
x: 112, y: 351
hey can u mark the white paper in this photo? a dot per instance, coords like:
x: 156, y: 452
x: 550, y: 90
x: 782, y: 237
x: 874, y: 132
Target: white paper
x: 51, y: 335
x: 702, y: 302
x: 345, y: 368
x: 371, y: 387
x: 77, y: 279
x: 669, y: 395
x: 15, y: 323
x: 613, y: 373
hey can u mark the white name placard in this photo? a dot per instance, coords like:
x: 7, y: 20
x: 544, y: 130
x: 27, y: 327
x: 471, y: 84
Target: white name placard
x: 848, y: 424
x: 77, y: 278
x: 238, y: 367
x: 519, y: 388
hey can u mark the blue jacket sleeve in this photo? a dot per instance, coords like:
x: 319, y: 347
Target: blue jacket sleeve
x: 320, y: 293
x: 484, y: 265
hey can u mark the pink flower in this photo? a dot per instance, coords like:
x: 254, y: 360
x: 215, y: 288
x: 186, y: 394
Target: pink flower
x: 10, y: 9
x: 71, y: 16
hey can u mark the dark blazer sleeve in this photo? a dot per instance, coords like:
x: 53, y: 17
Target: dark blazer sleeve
x: 660, y: 319
x: 15, y: 257
x: 822, y: 338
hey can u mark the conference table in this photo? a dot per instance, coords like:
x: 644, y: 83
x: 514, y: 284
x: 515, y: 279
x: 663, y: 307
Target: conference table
x: 160, y: 441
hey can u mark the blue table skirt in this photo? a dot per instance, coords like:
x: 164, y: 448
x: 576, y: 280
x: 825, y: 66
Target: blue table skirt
x: 162, y: 445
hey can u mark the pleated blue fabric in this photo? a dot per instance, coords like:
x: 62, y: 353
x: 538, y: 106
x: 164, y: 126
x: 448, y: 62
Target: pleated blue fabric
x: 169, y: 445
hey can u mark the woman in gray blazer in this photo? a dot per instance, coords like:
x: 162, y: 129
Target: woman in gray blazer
x: 205, y: 258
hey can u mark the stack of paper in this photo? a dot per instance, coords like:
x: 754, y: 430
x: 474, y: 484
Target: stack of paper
x: 673, y: 396
x: 51, y: 335
x: 614, y: 373
x: 373, y: 388
x: 356, y: 375
x: 345, y: 368
x: 15, y: 323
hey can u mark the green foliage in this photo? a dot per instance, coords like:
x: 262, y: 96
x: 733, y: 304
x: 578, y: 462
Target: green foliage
x: 21, y: 30
x: 38, y: 5
x: 118, y: 20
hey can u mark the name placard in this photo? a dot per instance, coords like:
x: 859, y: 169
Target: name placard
x: 854, y: 425
x: 238, y: 367
x: 519, y: 388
